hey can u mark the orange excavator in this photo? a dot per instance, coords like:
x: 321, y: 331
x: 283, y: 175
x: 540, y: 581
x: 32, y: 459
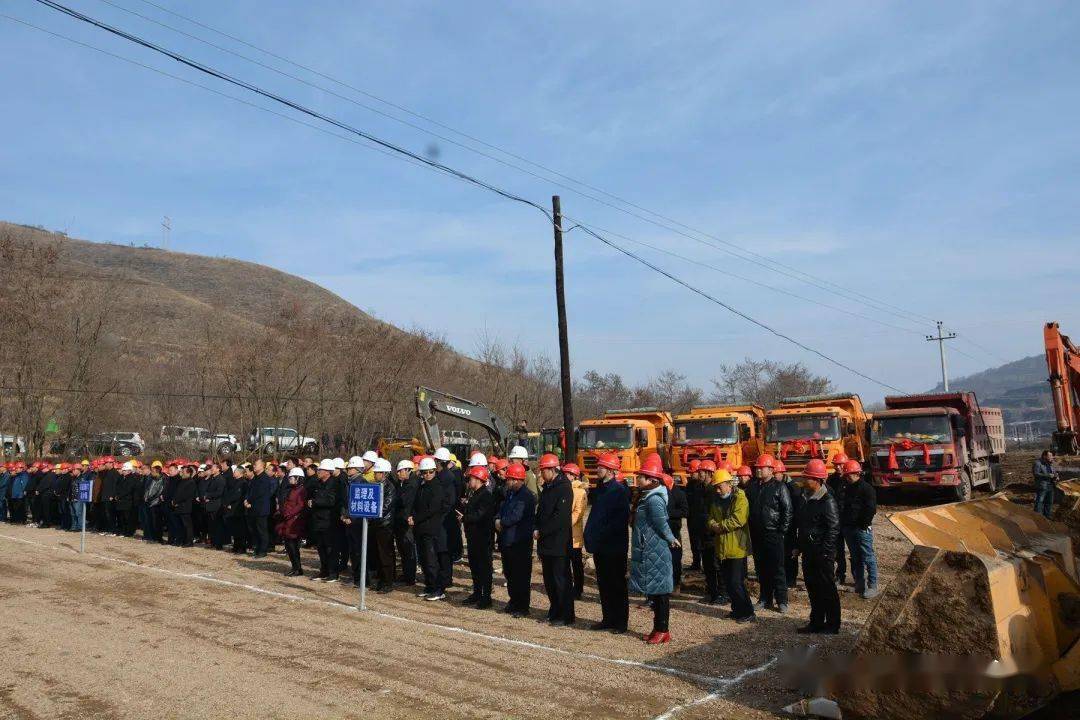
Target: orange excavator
x: 1063, y: 362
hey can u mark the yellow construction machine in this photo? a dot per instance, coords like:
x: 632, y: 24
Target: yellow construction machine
x: 982, y: 621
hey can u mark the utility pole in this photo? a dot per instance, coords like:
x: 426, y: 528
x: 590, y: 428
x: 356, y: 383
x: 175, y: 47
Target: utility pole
x: 166, y: 229
x: 564, y: 343
x: 941, y: 338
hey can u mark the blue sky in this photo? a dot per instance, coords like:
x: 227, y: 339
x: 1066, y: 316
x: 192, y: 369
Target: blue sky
x: 921, y: 154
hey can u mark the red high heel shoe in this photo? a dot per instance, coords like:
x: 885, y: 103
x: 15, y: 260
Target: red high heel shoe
x: 652, y: 637
x: 658, y: 638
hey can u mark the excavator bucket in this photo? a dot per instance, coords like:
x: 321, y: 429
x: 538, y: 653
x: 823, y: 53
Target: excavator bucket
x: 1068, y: 511
x: 983, y: 620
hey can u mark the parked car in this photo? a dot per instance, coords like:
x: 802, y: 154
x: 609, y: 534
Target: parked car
x: 12, y: 444
x: 101, y: 444
x: 273, y: 439
x: 130, y: 438
x: 201, y: 439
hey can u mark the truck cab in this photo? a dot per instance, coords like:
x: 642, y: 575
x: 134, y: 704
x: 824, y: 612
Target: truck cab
x: 631, y: 434
x: 809, y: 427
x: 944, y: 440
x: 718, y: 433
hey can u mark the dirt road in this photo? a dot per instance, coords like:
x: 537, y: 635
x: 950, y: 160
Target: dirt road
x: 132, y: 630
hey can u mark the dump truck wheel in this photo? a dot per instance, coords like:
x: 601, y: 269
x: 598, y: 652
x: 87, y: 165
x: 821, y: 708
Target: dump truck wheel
x: 996, y: 477
x: 963, y: 490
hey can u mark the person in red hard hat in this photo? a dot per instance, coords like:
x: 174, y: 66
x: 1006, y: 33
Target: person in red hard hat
x: 769, y: 519
x: 577, y: 518
x: 554, y: 537
x: 819, y: 531
x: 478, y: 519
x: 607, y: 539
x: 650, y: 561
x: 836, y: 486
x: 696, y: 513
x: 678, y: 510
x: 858, y: 505
x: 515, y: 525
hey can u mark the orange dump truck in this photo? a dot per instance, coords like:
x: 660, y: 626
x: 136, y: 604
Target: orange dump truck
x: 803, y: 428
x: 717, y: 432
x: 631, y: 434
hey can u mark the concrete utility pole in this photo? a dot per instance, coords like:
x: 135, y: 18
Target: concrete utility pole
x: 941, y: 338
x: 166, y: 229
x: 564, y: 343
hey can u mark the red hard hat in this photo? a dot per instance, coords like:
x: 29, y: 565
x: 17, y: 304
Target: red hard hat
x: 765, y: 460
x: 416, y: 459
x: 744, y: 471
x: 549, y: 461
x: 708, y: 465
x: 839, y: 459
x: 572, y: 469
x: 609, y: 460
x: 652, y: 467
x: 669, y: 482
x: 816, y: 469
x: 852, y: 466
x: 478, y: 471
x: 724, y: 465
x: 779, y: 466
x: 515, y: 472
x: 695, y: 465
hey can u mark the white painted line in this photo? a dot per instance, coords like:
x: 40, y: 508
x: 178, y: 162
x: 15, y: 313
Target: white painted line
x: 724, y: 686
x: 206, y: 577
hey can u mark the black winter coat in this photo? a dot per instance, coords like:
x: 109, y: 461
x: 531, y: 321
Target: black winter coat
x: 406, y: 497
x: 819, y: 527
x: 235, y: 492
x: 553, y: 518
x: 108, y: 480
x: 184, y: 496
x: 429, y: 508
x: 325, y: 508
x: 858, y: 505
x: 678, y: 508
x: 390, y: 503
x: 125, y: 491
x: 697, y: 506
x: 213, y: 492
x: 770, y: 507
x: 479, y: 519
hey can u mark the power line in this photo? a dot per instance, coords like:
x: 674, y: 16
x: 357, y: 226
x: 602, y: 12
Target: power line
x: 186, y: 396
x: 434, y: 164
x: 781, y: 268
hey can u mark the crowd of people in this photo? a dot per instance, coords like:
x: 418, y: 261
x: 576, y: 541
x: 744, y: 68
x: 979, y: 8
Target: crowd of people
x: 437, y: 511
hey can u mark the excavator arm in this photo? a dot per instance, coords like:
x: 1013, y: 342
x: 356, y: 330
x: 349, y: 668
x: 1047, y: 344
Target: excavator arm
x: 1063, y: 363
x: 432, y: 403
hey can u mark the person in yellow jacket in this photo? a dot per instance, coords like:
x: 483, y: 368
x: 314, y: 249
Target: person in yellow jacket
x: 728, y: 520
x: 577, y: 524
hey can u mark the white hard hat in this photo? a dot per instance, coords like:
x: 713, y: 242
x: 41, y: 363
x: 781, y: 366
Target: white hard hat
x: 356, y: 462
x: 442, y: 454
x: 371, y: 456
x: 478, y: 459
x: 382, y: 465
x: 427, y: 464
x: 339, y: 464
x: 518, y: 453
x: 406, y: 465
x: 127, y: 466
x: 327, y: 465
x: 296, y: 472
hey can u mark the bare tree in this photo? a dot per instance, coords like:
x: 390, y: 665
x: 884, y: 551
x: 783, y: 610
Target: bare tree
x: 766, y: 382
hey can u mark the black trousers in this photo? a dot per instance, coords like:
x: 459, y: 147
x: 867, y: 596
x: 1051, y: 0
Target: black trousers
x: 841, y: 561
x: 517, y: 568
x: 238, y: 529
x: 18, y: 510
x: 328, y: 557
x: 676, y: 567
x: 611, y: 583
x: 446, y: 569
x: 187, y: 536
x: 218, y: 530
x: 734, y: 572
x: 710, y: 568
x: 577, y: 566
x: 769, y: 564
x: 427, y: 546
x: 480, y: 567
x: 696, y: 541
x: 354, y: 537
x: 791, y: 563
x: 340, y: 540
x: 820, y: 575
x: 454, y: 544
x: 383, y: 538
x: 292, y: 549
x: 259, y: 532
x: 661, y: 608
x: 406, y: 550
x: 559, y: 585
x: 199, y: 521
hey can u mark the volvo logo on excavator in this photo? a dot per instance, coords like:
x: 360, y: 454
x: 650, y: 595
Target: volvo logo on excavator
x: 459, y: 411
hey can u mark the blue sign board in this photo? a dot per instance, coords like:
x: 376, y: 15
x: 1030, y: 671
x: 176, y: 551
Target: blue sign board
x: 365, y: 500
x: 86, y: 490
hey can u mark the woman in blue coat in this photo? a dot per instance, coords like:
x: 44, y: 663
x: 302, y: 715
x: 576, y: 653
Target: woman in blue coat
x: 650, y: 547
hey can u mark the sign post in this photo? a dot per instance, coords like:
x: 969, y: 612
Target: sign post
x: 86, y: 493
x: 365, y: 502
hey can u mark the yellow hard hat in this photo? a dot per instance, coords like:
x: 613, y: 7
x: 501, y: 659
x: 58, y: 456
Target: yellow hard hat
x: 721, y: 476
x: 156, y: 464
x: 85, y: 461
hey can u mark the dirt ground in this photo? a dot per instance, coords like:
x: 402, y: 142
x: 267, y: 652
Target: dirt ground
x: 132, y: 630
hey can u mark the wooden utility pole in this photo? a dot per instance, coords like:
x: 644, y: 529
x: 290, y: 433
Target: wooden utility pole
x: 564, y: 343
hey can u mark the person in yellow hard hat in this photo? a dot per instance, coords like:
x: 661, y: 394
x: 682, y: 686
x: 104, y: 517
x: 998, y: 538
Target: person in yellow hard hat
x: 728, y: 520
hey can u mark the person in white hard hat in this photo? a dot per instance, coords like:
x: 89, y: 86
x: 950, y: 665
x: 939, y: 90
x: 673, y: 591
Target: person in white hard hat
x: 324, y: 520
x: 370, y: 458
x: 292, y: 525
x: 382, y: 528
x: 353, y: 530
x: 520, y: 456
x: 426, y: 520
x: 341, y: 530
x: 452, y: 547
x: 407, y: 483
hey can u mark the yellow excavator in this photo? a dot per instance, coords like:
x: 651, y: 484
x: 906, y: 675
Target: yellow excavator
x: 983, y: 620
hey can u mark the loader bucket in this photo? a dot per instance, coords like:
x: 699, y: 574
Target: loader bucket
x: 983, y: 620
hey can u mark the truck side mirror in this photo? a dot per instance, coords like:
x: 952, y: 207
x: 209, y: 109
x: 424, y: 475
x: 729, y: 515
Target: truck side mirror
x: 667, y: 435
x: 744, y: 432
x: 642, y: 437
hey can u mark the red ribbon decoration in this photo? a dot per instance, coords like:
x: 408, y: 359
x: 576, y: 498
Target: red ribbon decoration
x: 907, y: 444
x: 800, y: 447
